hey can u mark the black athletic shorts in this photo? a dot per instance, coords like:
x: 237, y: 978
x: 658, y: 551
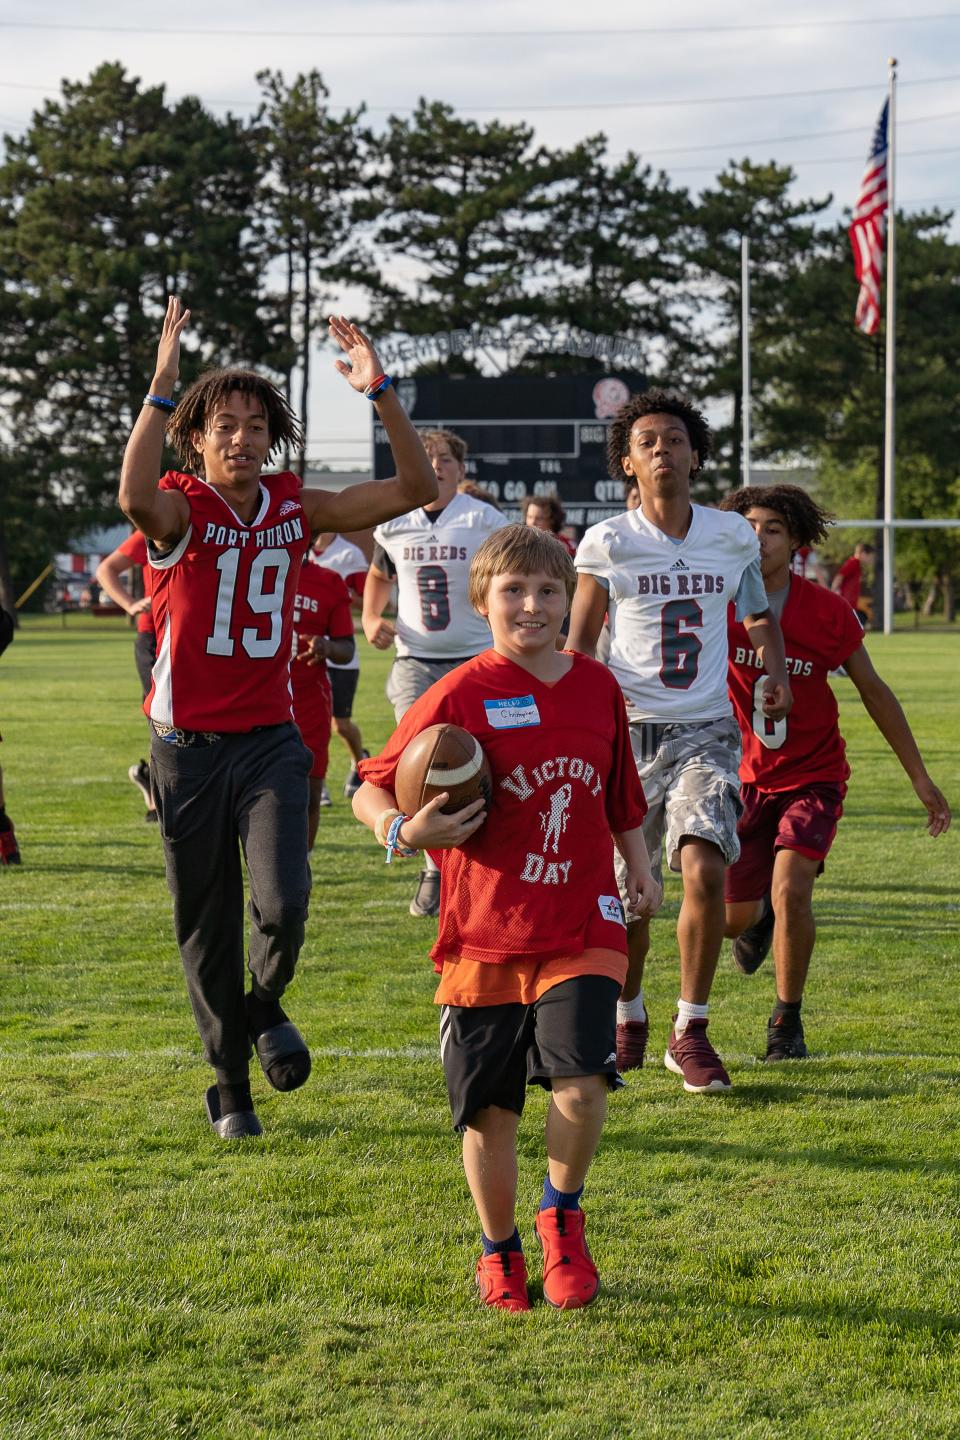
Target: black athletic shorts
x: 343, y: 686
x: 491, y: 1053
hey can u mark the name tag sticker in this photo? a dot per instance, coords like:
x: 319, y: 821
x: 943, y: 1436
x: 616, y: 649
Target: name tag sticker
x: 612, y: 909
x: 512, y: 714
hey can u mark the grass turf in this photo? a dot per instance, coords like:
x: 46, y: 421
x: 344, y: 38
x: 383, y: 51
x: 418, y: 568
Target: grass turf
x: 779, y: 1259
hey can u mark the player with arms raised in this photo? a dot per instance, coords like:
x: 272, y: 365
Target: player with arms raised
x: 428, y: 553
x: 531, y: 948
x: 795, y: 770
x: 227, y: 762
x: 665, y: 572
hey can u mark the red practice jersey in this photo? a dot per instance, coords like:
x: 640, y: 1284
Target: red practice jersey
x: 851, y: 578
x: 321, y: 607
x: 536, y: 880
x: 135, y: 549
x: 820, y: 632
x: 223, y: 607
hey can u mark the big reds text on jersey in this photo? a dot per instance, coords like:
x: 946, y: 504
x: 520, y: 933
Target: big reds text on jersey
x: 223, y: 605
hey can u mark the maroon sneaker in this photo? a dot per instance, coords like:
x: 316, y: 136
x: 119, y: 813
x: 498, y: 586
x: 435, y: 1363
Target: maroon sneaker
x: 632, y: 1043
x: 502, y: 1280
x: 570, y: 1278
x: 691, y: 1055
x: 9, y: 852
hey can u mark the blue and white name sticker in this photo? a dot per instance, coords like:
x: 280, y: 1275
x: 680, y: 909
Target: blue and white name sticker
x: 512, y: 714
x: 611, y: 908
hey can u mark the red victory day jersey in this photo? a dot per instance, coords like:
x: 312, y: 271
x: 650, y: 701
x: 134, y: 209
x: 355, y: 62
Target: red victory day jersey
x: 536, y: 880
x: 135, y: 549
x: 223, y: 607
x: 820, y: 632
x: 321, y: 607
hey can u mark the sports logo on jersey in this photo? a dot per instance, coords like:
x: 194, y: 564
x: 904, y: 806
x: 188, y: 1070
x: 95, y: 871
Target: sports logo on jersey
x: 554, y: 821
x: 679, y: 565
x: 611, y: 908
x: 512, y: 714
x: 288, y: 507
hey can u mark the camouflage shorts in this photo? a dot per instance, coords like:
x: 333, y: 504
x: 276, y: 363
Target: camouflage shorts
x: 690, y: 780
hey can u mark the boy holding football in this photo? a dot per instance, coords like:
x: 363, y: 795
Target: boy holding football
x: 531, y: 949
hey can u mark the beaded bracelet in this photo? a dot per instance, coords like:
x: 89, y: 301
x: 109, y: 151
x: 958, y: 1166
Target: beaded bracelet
x: 159, y: 403
x: 393, y: 840
x: 376, y: 387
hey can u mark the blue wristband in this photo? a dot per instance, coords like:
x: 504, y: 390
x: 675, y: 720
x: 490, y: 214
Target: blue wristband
x: 374, y: 392
x: 159, y: 402
x: 393, y: 840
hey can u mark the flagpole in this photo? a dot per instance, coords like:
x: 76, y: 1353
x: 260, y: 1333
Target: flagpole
x: 890, y: 385
x: 745, y: 351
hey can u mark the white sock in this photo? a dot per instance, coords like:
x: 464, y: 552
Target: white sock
x: 687, y: 1012
x: 631, y: 1009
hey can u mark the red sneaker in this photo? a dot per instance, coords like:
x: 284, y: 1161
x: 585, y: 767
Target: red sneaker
x: 691, y: 1055
x: 632, y: 1038
x: 9, y: 854
x: 502, y: 1280
x: 570, y: 1277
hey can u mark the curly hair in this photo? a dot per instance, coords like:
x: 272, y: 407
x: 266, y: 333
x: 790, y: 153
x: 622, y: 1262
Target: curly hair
x: 804, y: 518
x: 209, y: 390
x: 656, y: 402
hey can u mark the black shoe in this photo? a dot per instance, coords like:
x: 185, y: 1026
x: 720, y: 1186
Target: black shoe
x: 785, y: 1038
x: 139, y: 775
x: 426, y: 902
x: 750, y: 949
x: 324, y: 794
x: 151, y: 817
x: 353, y: 782
x: 241, y: 1125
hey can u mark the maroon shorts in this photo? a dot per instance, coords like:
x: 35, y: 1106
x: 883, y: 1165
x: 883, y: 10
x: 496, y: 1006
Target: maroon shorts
x: 312, y: 712
x: 804, y: 820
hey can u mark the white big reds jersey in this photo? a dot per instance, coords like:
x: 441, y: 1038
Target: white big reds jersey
x: 435, y: 620
x: 668, y: 608
x: 344, y: 559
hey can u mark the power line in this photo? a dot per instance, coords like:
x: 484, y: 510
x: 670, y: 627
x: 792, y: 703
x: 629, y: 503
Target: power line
x: 552, y: 33
x: 829, y: 159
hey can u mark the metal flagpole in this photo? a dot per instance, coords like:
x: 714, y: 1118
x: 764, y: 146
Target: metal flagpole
x: 890, y: 387
x: 745, y: 351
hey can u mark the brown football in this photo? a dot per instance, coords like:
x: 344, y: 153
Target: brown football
x: 443, y: 757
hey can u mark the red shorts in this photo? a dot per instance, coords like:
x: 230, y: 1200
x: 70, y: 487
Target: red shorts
x: 804, y: 820
x: 312, y: 709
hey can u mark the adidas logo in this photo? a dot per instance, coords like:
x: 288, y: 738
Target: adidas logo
x: 611, y: 1058
x: 679, y: 565
x: 289, y: 506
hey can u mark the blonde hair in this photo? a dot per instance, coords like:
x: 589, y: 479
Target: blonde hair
x: 524, y: 550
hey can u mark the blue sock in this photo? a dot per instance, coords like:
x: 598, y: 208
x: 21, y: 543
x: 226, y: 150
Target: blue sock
x: 558, y: 1199
x: 497, y: 1247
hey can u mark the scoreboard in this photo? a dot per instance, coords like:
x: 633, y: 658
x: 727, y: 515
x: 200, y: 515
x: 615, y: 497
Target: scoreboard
x: 526, y: 435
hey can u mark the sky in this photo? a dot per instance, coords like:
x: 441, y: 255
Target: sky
x: 688, y: 86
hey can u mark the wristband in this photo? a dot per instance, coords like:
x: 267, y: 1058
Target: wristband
x: 159, y: 403
x: 382, y: 824
x: 376, y: 387
x: 393, y: 842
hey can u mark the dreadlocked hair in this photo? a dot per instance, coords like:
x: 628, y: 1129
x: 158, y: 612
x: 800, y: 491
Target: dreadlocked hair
x: 208, y: 391
x: 656, y: 402
x: 804, y: 518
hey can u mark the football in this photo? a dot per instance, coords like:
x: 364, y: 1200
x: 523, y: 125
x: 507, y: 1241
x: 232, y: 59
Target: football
x: 443, y: 757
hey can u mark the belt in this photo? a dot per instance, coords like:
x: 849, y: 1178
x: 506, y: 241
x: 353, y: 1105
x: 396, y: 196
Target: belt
x: 171, y: 735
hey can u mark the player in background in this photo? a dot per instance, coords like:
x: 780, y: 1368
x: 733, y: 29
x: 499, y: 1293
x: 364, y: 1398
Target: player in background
x: 545, y: 512
x: 531, y: 949
x: 129, y: 556
x: 849, y: 579
x: 322, y: 632
x: 229, y: 768
x: 9, y: 850
x: 794, y: 770
x: 348, y: 561
x: 665, y: 573
x: 428, y: 554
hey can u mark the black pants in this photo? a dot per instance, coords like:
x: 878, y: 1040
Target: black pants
x: 250, y: 792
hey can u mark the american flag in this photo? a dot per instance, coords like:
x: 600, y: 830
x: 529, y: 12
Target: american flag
x: 869, y: 228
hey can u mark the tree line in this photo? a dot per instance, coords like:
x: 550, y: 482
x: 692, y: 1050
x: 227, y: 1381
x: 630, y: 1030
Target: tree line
x: 114, y: 197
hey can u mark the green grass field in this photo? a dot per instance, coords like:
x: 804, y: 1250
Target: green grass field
x: 782, y: 1260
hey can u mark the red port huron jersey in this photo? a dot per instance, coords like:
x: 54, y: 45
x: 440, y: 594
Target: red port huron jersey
x: 223, y: 606
x: 536, y: 881
x: 820, y: 632
x: 135, y: 549
x: 321, y: 607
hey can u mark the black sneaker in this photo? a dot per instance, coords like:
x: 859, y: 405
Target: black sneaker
x: 324, y: 794
x: 353, y: 782
x: 426, y: 902
x: 785, y: 1038
x: 139, y: 775
x: 750, y: 949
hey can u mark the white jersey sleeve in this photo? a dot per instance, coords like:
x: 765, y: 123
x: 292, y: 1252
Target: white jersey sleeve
x: 668, y: 608
x: 435, y: 620
x: 343, y: 558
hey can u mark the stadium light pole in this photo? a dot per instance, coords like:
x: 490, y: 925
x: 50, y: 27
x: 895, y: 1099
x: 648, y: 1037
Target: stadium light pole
x: 745, y: 351
x: 890, y: 378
